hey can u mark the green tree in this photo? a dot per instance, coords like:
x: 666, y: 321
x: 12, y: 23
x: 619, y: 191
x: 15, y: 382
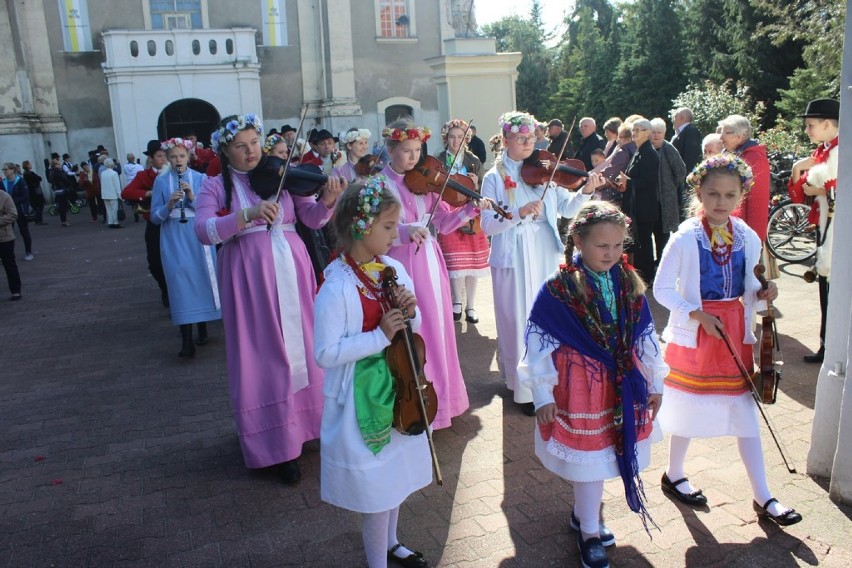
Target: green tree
x: 711, y: 102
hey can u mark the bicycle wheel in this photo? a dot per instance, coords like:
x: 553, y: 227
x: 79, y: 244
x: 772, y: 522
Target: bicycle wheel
x: 72, y: 207
x: 788, y: 237
x: 53, y: 211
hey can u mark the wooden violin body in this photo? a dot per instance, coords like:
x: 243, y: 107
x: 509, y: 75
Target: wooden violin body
x: 538, y: 169
x: 369, y: 165
x: 768, y: 375
x: 303, y: 180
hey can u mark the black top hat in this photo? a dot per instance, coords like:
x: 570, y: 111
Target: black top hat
x: 153, y: 148
x: 101, y: 147
x: 287, y: 128
x: 822, y: 108
x: 322, y: 135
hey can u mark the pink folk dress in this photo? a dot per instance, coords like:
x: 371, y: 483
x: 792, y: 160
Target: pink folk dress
x: 429, y: 273
x: 267, y: 289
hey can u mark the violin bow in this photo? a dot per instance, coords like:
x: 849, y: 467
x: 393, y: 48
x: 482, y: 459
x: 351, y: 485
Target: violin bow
x: 755, y: 395
x: 287, y: 163
x: 558, y: 159
x: 461, y: 151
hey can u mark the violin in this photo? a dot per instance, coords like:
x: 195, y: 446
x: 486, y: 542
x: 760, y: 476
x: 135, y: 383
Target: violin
x: 368, y: 165
x: 303, y: 180
x: 429, y: 175
x: 537, y: 169
x: 768, y: 376
x: 416, y: 402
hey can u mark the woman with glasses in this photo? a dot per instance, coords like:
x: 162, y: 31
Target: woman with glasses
x: 526, y: 249
x: 736, y: 138
x: 642, y: 199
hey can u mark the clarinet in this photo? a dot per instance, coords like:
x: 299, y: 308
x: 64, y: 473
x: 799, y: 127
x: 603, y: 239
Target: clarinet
x: 181, y: 204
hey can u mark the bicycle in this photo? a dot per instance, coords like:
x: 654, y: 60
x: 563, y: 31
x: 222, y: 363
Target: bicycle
x: 789, y: 237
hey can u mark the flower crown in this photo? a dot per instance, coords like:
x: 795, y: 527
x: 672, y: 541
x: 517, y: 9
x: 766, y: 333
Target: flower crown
x: 421, y: 133
x: 598, y: 215
x: 456, y: 123
x: 355, y: 135
x: 175, y: 142
x: 723, y: 161
x: 271, y: 141
x: 517, y: 122
x: 369, y: 201
x: 224, y: 135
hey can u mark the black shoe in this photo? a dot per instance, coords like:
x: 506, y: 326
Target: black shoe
x: 696, y: 499
x: 413, y: 560
x: 470, y: 316
x: 607, y: 538
x: 527, y: 408
x: 15, y: 297
x: 202, y: 334
x: 785, y: 519
x: 187, y: 346
x: 457, y: 314
x: 290, y: 472
x: 817, y: 357
x: 592, y: 552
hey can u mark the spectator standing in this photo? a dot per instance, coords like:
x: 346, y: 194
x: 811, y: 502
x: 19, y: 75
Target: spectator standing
x: 131, y: 168
x: 87, y: 184
x: 687, y: 138
x: 61, y: 188
x: 110, y: 193
x: 642, y: 199
x: 611, y: 127
x: 33, y: 181
x: 736, y: 138
x: 8, y: 215
x: 672, y: 174
x: 16, y: 187
x: 591, y: 141
x: 712, y: 145
x: 476, y: 146
x: 541, y: 141
x: 557, y: 136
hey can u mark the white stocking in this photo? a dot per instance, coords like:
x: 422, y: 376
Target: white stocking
x: 470, y: 290
x: 751, y: 453
x: 374, y: 530
x: 393, y: 520
x: 677, y: 456
x: 456, y: 285
x: 587, y: 507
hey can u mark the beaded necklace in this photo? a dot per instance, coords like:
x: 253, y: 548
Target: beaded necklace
x: 369, y: 283
x: 721, y: 241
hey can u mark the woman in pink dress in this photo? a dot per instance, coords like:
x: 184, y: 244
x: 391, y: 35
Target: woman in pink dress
x: 426, y: 266
x: 355, y: 143
x: 267, y: 290
x: 465, y: 249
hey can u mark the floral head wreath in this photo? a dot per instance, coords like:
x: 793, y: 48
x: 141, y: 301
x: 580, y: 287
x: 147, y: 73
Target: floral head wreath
x: 456, y: 123
x: 724, y: 161
x: 369, y: 201
x: 271, y: 141
x: 354, y: 136
x: 175, y: 142
x: 224, y: 135
x: 594, y: 216
x: 517, y: 122
x: 421, y: 133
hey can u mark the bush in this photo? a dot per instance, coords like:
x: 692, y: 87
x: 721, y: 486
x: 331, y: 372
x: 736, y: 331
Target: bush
x: 710, y: 103
x: 785, y: 138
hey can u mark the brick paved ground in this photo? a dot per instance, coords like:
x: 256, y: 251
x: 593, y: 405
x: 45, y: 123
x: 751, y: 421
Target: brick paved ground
x: 114, y: 452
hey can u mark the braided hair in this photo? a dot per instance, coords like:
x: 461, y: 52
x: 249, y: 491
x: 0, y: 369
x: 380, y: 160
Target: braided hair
x: 228, y: 128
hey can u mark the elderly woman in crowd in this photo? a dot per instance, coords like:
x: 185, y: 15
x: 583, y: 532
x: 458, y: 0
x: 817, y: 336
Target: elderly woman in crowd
x: 712, y: 145
x: 110, y: 192
x: 672, y: 174
x: 736, y: 138
x: 642, y: 199
x: 616, y: 164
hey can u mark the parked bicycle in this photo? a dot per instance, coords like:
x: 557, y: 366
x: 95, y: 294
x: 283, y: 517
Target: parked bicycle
x: 790, y: 237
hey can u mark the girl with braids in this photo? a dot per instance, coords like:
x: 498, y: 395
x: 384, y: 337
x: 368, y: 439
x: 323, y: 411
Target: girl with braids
x: 426, y: 267
x: 367, y: 466
x: 355, y: 143
x: 526, y: 249
x: 706, y: 280
x: 465, y: 251
x: 266, y: 287
x: 595, y: 370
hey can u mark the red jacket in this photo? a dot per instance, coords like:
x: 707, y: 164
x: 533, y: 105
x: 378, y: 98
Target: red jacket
x: 797, y: 190
x: 754, y: 209
x: 136, y: 191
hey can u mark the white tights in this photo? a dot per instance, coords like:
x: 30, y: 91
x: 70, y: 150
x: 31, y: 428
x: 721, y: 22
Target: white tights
x: 751, y: 452
x: 469, y: 285
x: 379, y: 533
x: 587, y: 506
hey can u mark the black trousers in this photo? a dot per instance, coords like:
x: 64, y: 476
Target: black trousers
x: 155, y: 261
x: 7, y: 257
x: 24, y: 228
x: 61, y: 199
x: 643, y: 250
x: 822, y: 281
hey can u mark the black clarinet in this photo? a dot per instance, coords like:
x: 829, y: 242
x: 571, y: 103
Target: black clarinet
x: 181, y: 204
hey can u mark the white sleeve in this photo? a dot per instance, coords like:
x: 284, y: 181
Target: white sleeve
x: 649, y: 360
x: 665, y: 283
x: 536, y: 370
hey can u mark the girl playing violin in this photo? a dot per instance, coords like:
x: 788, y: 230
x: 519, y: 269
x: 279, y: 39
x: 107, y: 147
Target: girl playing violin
x: 526, y: 249
x: 706, y: 280
x: 367, y: 466
x: 465, y: 251
x: 276, y: 145
x: 592, y: 357
x: 354, y: 142
x: 267, y: 290
x: 427, y: 267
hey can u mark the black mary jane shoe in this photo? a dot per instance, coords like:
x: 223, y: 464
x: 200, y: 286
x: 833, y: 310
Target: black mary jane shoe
x: 592, y: 552
x: 413, y: 560
x: 695, y: 499
x: 607, y: 538
x: 290, y: 472
x: 785, y: 519
x: 457, y: 314
x: 470, y: 316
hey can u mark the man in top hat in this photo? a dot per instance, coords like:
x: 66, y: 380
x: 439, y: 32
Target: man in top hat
x: 139, y: 192
x: 323, y: 151
x: 816, y: 177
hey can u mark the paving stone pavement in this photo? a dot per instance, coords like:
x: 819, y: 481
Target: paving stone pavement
x: 115, y: 452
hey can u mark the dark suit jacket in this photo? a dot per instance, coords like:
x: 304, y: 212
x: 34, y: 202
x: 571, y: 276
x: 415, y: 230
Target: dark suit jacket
x: 588, y: 145
x: 556, y: 144
x: 642, y: 198
x: 477, y: 147
x: 688, y: 145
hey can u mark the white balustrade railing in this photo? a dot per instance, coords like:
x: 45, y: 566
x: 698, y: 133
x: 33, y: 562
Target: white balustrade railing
x: 157, y: 48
